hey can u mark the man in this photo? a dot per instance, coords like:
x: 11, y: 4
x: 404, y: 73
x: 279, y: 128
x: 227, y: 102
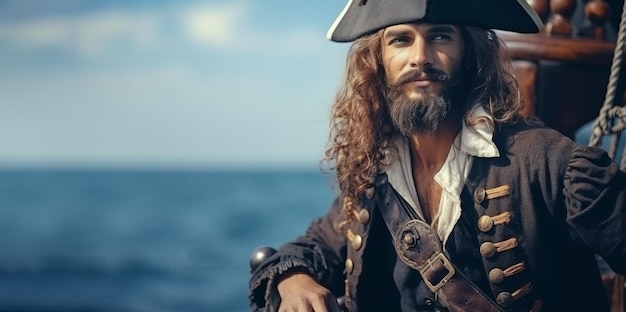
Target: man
x: 450, y: 200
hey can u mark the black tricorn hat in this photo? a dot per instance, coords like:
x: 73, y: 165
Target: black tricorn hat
x: 362, y: 17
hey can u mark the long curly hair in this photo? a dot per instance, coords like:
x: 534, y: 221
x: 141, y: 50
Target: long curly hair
x: 360, y: 122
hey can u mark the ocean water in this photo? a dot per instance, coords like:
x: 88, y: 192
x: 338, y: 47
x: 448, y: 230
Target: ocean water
x: 145, y: 240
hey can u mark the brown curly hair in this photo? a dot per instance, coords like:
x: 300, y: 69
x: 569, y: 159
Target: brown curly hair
x: 360, y: 122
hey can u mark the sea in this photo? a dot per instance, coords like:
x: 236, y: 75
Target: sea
x: 145, y: 240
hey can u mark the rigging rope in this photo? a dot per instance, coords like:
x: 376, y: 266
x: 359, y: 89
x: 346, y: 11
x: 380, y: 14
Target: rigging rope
x: 611, y: 114
x: 612, y: 118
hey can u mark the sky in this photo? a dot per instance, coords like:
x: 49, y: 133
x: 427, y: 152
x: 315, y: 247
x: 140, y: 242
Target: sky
x: 166, y: 83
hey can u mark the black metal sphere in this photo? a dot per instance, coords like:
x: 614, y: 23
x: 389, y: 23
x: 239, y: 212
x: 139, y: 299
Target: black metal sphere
x: 259, y: 255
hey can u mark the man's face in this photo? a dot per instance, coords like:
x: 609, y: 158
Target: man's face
x: 422, y: 64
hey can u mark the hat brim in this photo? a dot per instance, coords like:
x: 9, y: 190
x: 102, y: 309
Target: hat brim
x: 360, y: 18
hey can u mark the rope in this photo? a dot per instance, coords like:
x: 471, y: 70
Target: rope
x: 612, y: 119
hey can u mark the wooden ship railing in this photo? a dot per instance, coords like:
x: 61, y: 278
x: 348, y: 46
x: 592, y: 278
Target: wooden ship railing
x: 563, y: 71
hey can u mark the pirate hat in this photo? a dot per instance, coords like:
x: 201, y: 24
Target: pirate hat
x: 362, y: 17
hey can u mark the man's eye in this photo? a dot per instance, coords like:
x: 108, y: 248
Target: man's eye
x: 439, y: 37
x: 399, y: 40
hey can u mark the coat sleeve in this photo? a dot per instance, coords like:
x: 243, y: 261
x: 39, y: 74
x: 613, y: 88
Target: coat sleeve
x: 595, y: 195
x: 320, y: 252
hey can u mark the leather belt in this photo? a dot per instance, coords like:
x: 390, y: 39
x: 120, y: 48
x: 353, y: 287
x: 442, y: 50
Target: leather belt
x: 419, y: 247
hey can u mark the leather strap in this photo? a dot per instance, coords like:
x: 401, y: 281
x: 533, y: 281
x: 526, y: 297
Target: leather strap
x: 419, y: 247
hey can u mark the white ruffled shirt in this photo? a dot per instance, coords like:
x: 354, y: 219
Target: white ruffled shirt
x: 472, y: 141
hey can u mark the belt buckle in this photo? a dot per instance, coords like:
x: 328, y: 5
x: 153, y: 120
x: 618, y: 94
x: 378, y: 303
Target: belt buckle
x: 429, y: 263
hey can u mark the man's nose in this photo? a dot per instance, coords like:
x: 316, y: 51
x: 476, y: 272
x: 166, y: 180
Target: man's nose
x: 421, y: 53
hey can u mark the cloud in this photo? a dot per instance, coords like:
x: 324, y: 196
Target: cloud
x: 218, y: 25
x: 231, y: 27
x: 89, y: 34
x: 228, y: 27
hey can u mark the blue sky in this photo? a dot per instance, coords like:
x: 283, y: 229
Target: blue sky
x: 87, y: 83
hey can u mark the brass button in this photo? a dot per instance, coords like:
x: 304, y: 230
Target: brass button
x: 364, y: 216
x: 409, y: 239
x: 485, y: 223
x: 369, y: 193
x: 504, y: 299
x: 496, y: 276
x: 357, y: 242
x: 487, y: 249
x: 349, y: 266
x: 479, y: 195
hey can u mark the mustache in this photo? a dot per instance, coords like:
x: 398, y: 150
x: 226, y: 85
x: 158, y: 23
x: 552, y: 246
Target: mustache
x: 427, y: 73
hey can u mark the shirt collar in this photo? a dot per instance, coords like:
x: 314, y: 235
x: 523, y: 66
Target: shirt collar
x: 477, y: 140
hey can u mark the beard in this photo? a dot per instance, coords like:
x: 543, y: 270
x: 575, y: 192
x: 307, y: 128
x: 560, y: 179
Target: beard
x: 423, y: 115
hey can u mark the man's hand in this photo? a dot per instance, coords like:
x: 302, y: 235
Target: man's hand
x: 299, y: 292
